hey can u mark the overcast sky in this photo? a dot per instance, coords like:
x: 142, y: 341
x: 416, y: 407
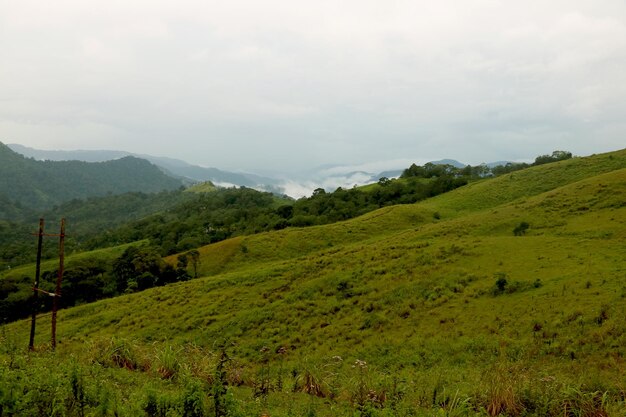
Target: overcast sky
x: 288, y: 84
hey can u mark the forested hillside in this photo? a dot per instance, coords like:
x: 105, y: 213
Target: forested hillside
x: 175, y: 166
x: 39, y: 185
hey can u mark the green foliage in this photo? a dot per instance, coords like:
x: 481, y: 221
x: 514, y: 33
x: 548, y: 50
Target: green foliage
x: 501, y: 283
x: 520, y: 229
x: 42, y: 184
x: 115, y: 352
x: 204, y: 187
x: 193, y: 400
x: 89, y: 224
x: 581, y: 403
x: 219, y: 386
x: 555, y: 157
x: 141, y: 268
x: 167, y: 362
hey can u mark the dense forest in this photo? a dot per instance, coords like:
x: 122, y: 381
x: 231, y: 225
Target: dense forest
x: 40, y: 185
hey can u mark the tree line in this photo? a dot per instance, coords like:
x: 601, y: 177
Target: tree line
x: 136, y: 269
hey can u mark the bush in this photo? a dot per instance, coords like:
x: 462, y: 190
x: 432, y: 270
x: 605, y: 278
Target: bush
x: 520, y: 229
x: 193, y: 400
x: 501, y: 283
x: 115, y: 353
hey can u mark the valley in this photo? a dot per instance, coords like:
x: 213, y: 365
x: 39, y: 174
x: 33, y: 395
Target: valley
x: 443, y: 305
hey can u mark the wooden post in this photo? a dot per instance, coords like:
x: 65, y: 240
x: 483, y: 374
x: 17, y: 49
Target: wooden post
x: 57, y: 291
x: 31, y: 343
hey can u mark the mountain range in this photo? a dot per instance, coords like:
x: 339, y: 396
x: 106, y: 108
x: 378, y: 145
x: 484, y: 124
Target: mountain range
x: 175, y: 167
x: 327, y: 177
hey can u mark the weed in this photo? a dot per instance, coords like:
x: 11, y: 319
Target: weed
x: 458, y: 406
x: 167, y: 362
x: 115, y: 352
x: 577, y: 403
x: 79, y: 396
x: 503, y: 396
x: 603, y: 314
x: 308, y: 383
x: 219, y: 387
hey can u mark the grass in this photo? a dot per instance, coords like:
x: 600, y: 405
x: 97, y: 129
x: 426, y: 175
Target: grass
x: 411, y: 294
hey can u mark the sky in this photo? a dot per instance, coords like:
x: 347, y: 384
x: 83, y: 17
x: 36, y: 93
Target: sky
x: 286, y: 86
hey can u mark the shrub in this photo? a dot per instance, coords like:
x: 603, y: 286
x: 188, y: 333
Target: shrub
x: 114, y: 352
x: 501, y: 283
x: 521, y: 228
x: 158, y: 405
x: 193, y: 400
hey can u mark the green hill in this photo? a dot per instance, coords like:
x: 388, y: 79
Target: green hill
x: 203, y: 187
x: 42, y: 184
x: 453, y: 312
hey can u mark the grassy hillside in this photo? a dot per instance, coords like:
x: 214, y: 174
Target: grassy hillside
x: 453, y: 313
x: 526, y: 183
x: 203, y: 187
x: 569, y: 246
x: 475, y: 197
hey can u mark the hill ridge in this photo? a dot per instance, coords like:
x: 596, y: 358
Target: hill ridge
x: 42, y: 184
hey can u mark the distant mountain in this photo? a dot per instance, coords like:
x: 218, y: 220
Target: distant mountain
x: 498, y: 163
x: 329, y: 176
x: 172, y: 166
x: 387, y: 174
x: 78, y: 155
x: 452, y: 162
x: 38, y: 185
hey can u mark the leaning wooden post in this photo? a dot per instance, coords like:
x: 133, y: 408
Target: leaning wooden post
x: 57, y: 291
x: 31, y: 343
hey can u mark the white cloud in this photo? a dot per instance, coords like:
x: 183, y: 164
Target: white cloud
x: 248, y: 84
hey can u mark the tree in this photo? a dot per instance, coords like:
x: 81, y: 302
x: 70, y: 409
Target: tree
x: 285, y: 211
x: 384, y: 181
x: 194, y: 256
x: 556, y: 156
x: 141, y: 266
x: 182, y: 261
x: 318, y: 191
